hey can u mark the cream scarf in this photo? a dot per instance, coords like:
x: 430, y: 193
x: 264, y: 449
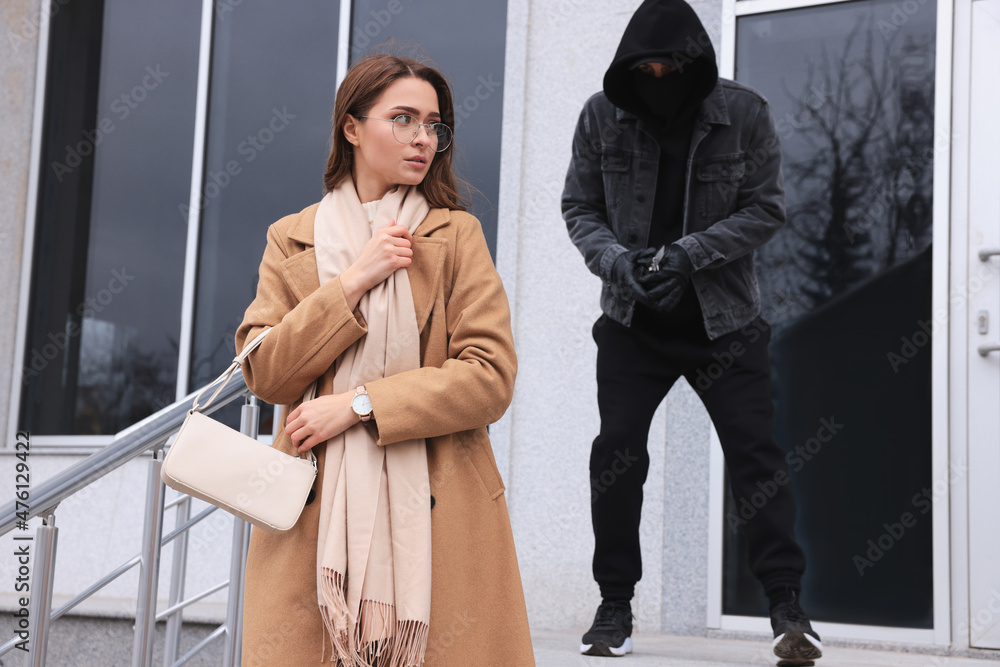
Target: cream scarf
x: 374, y: 554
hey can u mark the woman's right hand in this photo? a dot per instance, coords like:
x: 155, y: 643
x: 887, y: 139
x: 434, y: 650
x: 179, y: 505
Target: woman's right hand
x: 389, y: 248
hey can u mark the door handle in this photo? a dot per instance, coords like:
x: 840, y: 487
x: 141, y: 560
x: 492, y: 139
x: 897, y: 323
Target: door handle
x: 986, y: 253
x: 986, y: 349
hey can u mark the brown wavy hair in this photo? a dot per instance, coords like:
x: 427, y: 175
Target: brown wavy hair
x: 364, y: 82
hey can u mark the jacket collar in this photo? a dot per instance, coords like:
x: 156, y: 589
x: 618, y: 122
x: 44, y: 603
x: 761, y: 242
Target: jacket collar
x: 713, y: 109
x: 302, y: 229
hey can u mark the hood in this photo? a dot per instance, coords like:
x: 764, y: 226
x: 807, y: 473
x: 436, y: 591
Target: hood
x: 667, y: 31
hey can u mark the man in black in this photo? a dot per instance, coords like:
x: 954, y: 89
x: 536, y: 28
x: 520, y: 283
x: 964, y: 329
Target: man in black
x: 671, y: 156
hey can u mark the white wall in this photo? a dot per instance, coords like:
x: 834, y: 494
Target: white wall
x: 18, y: 51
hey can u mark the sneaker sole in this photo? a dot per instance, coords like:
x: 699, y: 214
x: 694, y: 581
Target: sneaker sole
x: 602, y: 649
x: 796, y: 648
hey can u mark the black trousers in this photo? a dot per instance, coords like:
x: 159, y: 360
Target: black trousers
x: 636, y: 367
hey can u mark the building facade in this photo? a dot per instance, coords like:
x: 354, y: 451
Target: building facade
x: 149, y: 145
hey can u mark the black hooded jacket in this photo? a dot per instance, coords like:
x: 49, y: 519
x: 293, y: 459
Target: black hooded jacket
x: 666, y: 31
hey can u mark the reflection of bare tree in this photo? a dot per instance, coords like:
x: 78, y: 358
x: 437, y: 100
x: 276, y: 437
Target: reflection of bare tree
x: 907, y: 174
x: 206, y: 367
x: 138, y: 384
x: 859, y: 195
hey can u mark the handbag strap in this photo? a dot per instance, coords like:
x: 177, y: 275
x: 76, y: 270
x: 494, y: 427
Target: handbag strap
x: 227, y: 375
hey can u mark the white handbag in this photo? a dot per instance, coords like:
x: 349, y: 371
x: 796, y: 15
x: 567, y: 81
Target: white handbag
x: 210, y: 461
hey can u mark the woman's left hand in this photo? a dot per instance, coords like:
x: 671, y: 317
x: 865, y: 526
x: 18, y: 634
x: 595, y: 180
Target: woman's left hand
x: 319, y: 420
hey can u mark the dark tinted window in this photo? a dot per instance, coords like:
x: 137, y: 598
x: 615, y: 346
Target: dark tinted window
x: 274, y: 68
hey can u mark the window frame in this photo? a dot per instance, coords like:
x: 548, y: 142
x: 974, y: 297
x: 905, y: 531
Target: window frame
x: 940, y: 634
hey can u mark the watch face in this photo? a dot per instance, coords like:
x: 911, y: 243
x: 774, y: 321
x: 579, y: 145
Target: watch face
x: 362, y: 404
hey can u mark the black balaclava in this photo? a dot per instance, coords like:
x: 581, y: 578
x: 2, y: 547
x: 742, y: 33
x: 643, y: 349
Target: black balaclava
x: 666, y: 99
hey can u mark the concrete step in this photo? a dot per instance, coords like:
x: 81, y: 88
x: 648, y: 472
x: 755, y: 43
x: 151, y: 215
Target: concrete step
x: 107, y: 642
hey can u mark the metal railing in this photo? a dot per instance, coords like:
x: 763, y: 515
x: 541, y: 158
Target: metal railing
x: 150, y: 434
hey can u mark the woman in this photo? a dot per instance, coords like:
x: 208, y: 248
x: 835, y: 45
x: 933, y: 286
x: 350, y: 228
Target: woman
x: 386, y: 295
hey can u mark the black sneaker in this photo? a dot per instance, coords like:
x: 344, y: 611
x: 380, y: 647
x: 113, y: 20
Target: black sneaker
x: 611, y: 633
x: 795, y: 642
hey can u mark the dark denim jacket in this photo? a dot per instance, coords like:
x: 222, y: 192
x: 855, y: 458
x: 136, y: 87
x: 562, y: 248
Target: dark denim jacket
x: 734, y: 200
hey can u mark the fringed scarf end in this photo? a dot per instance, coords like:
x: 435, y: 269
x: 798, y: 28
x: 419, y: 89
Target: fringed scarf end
x: 410, y: 644
x: 401, y: 644
x: 336, y: 620
x: 378, y: 640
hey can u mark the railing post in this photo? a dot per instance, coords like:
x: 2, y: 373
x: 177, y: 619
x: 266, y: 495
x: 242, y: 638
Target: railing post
x: 40, y: 606
x: 178, y: 571
x: 232, y: 657
x: 234, y: 609
x: 249, y: 422
x: 149, y: 568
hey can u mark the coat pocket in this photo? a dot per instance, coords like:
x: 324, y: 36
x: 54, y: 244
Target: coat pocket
x: 481, y: 457
x: 719, y: 181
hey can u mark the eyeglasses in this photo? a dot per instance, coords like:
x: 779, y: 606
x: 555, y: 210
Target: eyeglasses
x: 405, y: 129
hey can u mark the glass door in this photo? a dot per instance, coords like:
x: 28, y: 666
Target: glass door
x: 983, y: 317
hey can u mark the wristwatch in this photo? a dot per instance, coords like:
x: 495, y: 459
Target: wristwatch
x: 361, y: 404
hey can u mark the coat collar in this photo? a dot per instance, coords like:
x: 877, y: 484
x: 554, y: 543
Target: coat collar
x: 425, y: 272
x: 302, y: 229
x: 713, y: 109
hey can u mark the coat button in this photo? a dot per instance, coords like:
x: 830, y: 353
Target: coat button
x: 641, y: 198
x: 432, y: 502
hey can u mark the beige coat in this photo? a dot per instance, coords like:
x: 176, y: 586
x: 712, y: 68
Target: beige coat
x: 478, y: 617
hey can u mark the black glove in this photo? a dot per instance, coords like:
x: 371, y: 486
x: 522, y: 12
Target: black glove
x: 626, y: 271
x: 666, y: 286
